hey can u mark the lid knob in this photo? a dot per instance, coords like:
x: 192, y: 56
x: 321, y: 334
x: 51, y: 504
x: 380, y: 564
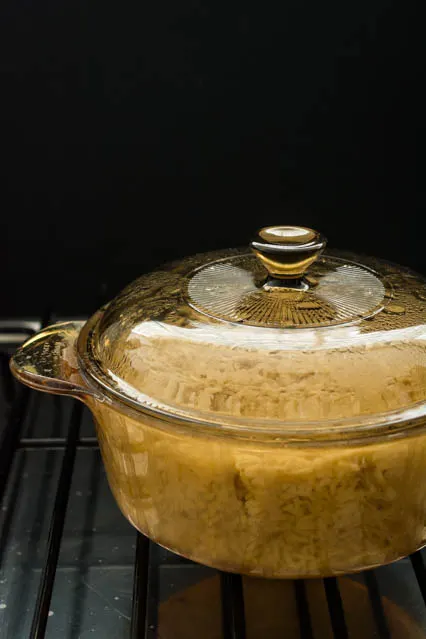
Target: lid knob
x: 287, y: 251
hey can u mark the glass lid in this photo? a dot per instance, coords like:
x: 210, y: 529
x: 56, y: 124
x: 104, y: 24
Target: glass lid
x: 280, y: 335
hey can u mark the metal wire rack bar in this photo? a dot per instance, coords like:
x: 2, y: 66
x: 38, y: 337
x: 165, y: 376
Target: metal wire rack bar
x: 305, y: 622
x: 140, y: 588
x: 39, y: 623
x: 232, y: 596
x: 10, y: 439
x: 54, y: 443
x: 335, y: 608
x: 376, y: 604
x: 418, y: 564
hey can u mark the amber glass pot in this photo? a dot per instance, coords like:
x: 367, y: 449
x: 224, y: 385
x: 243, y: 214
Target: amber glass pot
x: 260, y: 411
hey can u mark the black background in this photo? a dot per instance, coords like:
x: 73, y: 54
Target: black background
x: 137, y: 132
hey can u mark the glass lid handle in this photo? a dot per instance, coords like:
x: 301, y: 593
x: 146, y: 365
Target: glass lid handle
x: 287, y: 251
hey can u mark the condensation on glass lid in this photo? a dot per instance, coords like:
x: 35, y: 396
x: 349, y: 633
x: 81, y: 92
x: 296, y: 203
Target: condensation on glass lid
x: 245, y: 337
x: 271, y: 376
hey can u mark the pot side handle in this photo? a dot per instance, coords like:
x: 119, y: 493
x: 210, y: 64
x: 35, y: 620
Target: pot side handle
x: 48, y: 361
